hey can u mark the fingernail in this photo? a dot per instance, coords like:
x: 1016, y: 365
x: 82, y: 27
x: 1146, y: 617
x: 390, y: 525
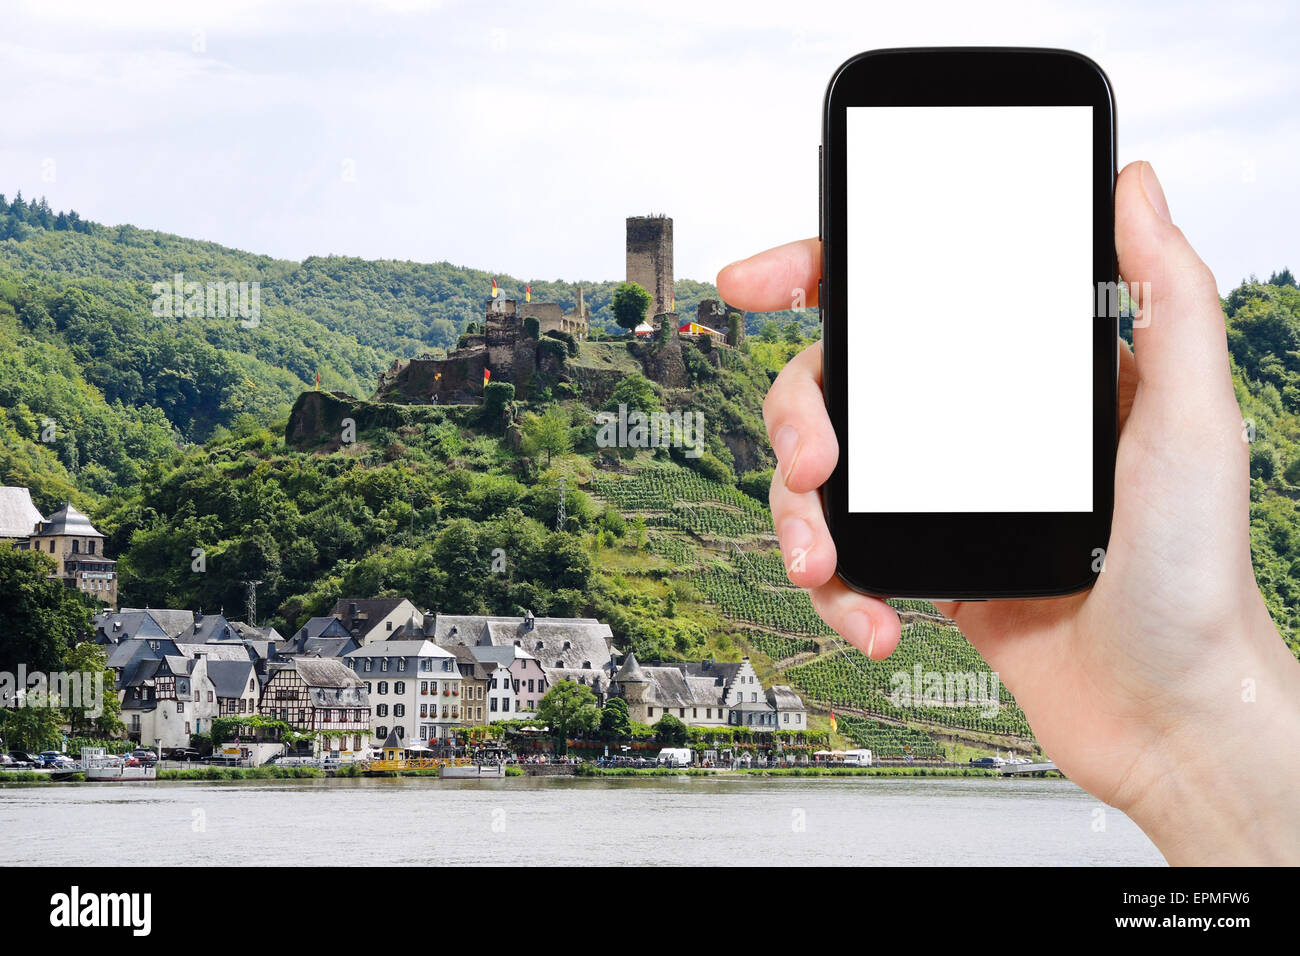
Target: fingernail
x: 785, y: 443
x: 860, y: 631
x: 796, y: 541
x: 1155, y: 195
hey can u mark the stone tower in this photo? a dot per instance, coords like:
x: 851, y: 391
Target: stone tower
x: 650, y: 259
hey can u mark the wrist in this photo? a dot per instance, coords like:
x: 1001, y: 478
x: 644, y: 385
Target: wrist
x: 1221, y: 785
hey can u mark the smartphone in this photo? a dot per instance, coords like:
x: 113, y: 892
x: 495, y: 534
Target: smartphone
x: 970, y: 308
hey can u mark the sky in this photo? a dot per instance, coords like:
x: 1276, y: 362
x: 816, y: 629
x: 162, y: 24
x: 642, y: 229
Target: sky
x: 516, y: 137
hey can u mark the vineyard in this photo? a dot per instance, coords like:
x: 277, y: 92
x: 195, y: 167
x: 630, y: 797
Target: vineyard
x: 955, y: 688
x: 889, y: 741
x: 778, y: 646
x: 720, y: 541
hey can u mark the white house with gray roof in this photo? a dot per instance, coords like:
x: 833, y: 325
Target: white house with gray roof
x: 414, y: 687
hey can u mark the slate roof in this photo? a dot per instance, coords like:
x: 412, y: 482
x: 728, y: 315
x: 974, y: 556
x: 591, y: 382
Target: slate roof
x: 208, y: 627
x: 783, y: 697
x: 230, y: 678
x: 172, y: 620
x: 18, y: 516
x: 369, y: 612
x: 631, y: 670
x: 317, y: 672
x: 407, y: 648
x: 217, y: 651
x: 113, y: 627
x: 587, y: 639
x: 67, y: 520
x: 471, y: 668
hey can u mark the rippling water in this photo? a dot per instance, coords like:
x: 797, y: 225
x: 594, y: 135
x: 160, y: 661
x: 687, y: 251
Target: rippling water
x: 569, y: 821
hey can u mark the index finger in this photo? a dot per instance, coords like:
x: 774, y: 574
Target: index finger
x: 781, y: 278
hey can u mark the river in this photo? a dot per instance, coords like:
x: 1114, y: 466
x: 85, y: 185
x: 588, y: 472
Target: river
x: 570, y: 822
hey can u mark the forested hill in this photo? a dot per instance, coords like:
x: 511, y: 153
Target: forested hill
x: 126, y: 392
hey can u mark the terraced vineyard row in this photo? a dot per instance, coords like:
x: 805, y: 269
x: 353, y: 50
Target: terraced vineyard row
x: 782, y: 609
x: 955, y: 689
x: 665, y: 487
x: 713, y: 522
x: 777, y: 646
x: 889, y: 741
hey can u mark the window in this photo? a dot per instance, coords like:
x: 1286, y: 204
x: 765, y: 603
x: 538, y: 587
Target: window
x: 51, y: 546
x: 695, y: 712
x: 399, y: 687
x: 530, y: 685
x: 381, y: 731
x: 649, y: 711
x: 480, y: 691
x: 252, y: 683
x: 494, y: 705
x: 390, y: 625
x: 383, y: 687
x: 381, y: 710
x: 383, y: 665
x: 399, y: 710
x: 480, y: 712
x: 401, y: 663
x: 180, y: 707
x: 708, y: 713
x: 242, y: 705
x: 424, y: 710
x: 209, y: 697
x: 187, y: 727
x: 76, y: 546
x: 753, y: 697
x: 90, y: 547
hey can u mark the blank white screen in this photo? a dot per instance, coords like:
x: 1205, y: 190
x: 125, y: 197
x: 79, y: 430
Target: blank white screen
x: 970, y: 308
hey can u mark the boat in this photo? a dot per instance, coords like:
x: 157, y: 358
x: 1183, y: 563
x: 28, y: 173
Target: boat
x: 99, y: 766
x: 471, y: 771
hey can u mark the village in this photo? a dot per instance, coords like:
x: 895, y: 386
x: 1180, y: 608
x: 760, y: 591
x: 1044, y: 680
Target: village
x: 375, y: 675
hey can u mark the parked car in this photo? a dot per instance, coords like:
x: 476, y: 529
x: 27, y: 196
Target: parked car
x: 53, y: 760
x: 145, y: 756
x: 22, y: 758
x: 185, y: 754
x: 988, y: 762
x: 7, y: 762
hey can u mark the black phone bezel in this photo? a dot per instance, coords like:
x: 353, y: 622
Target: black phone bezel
x: 973, y: 555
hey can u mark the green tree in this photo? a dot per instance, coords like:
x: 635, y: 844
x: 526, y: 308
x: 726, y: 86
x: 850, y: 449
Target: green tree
x: 615, y: 722
x: 39, y: 617
x: 30, y: 728
x: 671, y: 731
x: 548, y: 432
x: 636, y: 392
x: 569, y: 710
x: 86, y: 658
x: 630, y: 305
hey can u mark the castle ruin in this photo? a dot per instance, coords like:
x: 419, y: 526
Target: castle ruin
x: 650, y: 259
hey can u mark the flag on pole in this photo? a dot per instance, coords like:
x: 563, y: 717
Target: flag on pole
x: 487, y: 374
x: 528, y: 293
x: 318, y: 380
x: 834, y: 723
x: 495, y: 290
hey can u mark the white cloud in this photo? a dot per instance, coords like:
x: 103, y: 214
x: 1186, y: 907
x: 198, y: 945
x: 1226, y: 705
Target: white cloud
x: 517, y: 136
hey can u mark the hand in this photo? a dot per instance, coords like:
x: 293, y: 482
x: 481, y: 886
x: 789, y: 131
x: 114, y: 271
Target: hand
x: 1136, y: 688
